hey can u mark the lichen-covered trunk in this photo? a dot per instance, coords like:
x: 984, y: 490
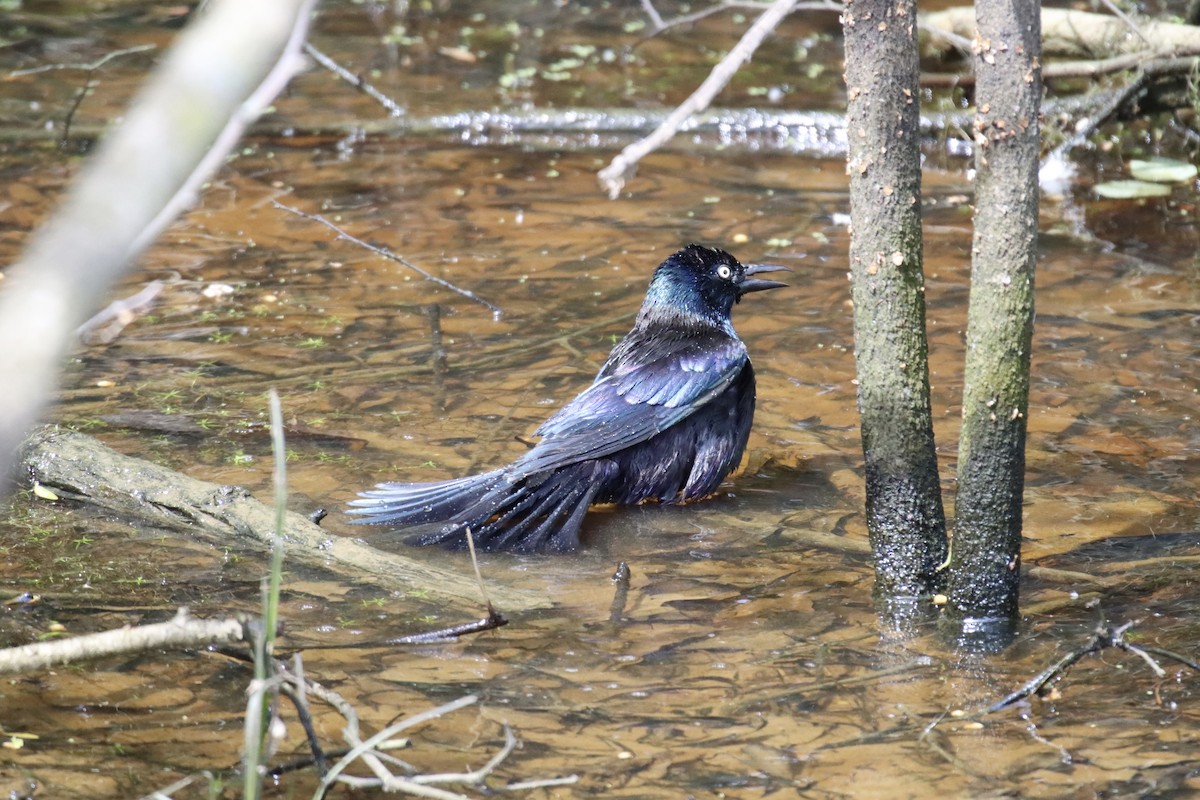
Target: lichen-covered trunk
x: 904, y: 507
x: 986, y: 549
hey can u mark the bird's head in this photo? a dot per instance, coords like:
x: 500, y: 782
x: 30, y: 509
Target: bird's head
x: 704, y: 282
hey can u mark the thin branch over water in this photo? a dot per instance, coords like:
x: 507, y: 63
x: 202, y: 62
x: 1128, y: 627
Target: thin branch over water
x: 393, y: 108
x: 388, y: 254
x: 624, y: 164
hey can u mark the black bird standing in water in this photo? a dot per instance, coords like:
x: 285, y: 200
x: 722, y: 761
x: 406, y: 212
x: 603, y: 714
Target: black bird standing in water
x: 666, y: 419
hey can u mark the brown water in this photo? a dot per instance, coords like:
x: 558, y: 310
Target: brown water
x: 747, y: 661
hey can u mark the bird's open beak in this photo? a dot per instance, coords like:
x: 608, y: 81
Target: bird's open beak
x: 757, y: 285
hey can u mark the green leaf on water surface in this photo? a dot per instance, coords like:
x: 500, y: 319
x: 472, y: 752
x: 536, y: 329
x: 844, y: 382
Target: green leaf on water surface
x: 1162, y: 170
x: 1124, y: 190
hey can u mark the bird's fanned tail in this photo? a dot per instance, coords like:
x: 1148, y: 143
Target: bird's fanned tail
x: 420, y: 503
x: 528, y: 513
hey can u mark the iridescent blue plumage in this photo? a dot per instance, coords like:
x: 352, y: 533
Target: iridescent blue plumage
x: 666, y: 419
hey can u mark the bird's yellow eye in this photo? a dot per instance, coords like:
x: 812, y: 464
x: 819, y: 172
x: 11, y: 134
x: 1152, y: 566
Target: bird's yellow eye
x: 724, y: 272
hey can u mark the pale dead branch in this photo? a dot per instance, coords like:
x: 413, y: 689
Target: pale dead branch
x: 1080, y: 34
x: 624, y: 165
x: 217, y: 78
x: 108, y: 323
x: 180, y: 632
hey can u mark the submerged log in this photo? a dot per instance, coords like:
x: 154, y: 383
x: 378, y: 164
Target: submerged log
x: 77, y: 466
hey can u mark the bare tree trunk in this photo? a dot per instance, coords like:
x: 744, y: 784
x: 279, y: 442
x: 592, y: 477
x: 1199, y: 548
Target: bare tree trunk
x: 904, y: 506
x: 986, y: 550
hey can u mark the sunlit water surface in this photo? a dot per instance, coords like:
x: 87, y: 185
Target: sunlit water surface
x: 747, y: 659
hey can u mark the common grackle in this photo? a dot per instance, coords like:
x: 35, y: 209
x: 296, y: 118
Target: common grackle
x: 666, y: 419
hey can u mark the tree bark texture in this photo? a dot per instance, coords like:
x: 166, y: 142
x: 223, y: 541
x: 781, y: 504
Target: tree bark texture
x: 904, y: 507
x: 985, y: 563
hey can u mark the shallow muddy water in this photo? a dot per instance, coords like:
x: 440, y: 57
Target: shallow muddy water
x: 746, y: 659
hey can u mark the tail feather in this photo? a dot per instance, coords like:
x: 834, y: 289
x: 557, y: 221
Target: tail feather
x: 418, y: 503
x: 529, y: 514
x: 535, y: 530
x: 554, y: 524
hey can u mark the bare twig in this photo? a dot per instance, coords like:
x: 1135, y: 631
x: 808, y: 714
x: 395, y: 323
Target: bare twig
x: 1105, y: 636
x: 1084, y: 127
x: 491, y: 622
x: 1191, y: 663
x: 421, y: 785
x: 487, y: 601
x: 478, y: 775
x: 1121, y: 15
x: 108, y: 323
x: 327, y: 696
x: 1177, y: 64
x: 359, y: 748
x: 166, y: 792
x: 288, y: 64
x: 88, y: 67
x: 87, y: 84
x: 180, y: 632
x: 1040, y: 680
x: 623, y: 166
x: 65, y: 138
x: 1064, y: 755
x: 370, y: 751
x: 296, y: 691
x: 222, y: 71
x: 388, y: 254
x: 652, y: 12
x: 300, y: 684
x: 620, y: 579
x: 661, y: 25
x: 932, y: 738
x: 356, y: 81
x: 1142, y: 654
x: 566, y: 780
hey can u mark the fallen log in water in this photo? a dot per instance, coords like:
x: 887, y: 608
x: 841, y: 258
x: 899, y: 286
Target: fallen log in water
x: 80, y: 467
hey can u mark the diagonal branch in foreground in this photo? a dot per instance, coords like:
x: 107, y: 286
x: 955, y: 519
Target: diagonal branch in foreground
x: 219, y: 76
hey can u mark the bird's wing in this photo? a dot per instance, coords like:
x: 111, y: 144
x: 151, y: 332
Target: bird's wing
x: 651, y: 389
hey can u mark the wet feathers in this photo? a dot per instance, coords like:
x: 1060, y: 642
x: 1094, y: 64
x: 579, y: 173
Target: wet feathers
x: 666, y: 419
